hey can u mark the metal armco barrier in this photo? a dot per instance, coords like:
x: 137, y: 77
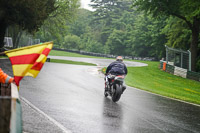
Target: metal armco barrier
x: 170, y: 69
x: 10, y: 107
x: 193, y: 75
x: 179, y: 71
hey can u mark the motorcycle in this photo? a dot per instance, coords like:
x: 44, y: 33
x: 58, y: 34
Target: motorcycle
x: 114, y: 86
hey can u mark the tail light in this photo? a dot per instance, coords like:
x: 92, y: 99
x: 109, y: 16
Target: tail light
x: 120, y: 76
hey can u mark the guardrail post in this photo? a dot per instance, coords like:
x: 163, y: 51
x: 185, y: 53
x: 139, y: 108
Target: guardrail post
x: 189, y: 60
x: 166, y: 54
x: 181, y: 60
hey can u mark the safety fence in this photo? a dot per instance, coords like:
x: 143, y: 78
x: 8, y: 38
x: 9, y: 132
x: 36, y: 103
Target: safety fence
x: 179, y: 71
x: 179, y: 58
x: 106, y: 55
x: 10, y: 109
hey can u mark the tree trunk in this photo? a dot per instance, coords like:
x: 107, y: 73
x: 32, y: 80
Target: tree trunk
x: 194, y: 43
x: 18, y: 38
x: 15, y: 32
x: 3, y: 26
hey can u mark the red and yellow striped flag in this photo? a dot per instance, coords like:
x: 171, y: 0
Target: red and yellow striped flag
x: 28, y: 61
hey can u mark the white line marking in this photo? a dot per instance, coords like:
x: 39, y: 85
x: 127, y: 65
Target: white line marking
x: 48, y: 117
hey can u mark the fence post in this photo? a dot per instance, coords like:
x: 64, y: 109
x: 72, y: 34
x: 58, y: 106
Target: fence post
x: 166, y: 54
x: 189, y: 60
x: 181, y: 60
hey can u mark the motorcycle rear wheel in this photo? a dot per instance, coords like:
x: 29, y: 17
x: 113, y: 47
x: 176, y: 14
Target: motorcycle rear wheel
x: 117, y: 93
x: 105, y: 93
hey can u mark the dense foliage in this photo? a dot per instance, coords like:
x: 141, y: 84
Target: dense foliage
x: 138, y: 28
x: 21, y: 19
x: 186, y: 10
x: 27, y: 15
x: 116, y: 28
x: 55, y: 27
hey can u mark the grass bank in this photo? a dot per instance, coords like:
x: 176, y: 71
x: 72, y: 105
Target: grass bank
x: 64, y: 53
x: 71, y: 62
x: 151, y: 78
x: 3, y: 56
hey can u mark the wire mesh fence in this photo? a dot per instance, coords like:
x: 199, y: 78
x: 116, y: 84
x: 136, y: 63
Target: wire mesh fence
x: 178, y: 58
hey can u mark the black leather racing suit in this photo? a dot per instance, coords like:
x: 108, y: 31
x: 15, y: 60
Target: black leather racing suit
x: 117, y: 68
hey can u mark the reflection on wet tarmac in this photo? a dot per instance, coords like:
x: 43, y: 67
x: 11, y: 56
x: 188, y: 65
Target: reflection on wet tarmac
x: 112, y: 116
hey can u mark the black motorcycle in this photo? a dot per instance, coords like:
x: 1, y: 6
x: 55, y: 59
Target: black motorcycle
x: 114, y: 86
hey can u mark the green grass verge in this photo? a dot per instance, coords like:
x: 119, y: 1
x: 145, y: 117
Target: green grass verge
x: 151, y: 78
x: 64, y: 53
x: 71, y: 62
x: 3, y: 56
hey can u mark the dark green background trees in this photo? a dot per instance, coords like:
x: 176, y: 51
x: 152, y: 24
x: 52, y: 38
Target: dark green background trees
x: 21, y: 17
x: 138, y: 28
x: 28, y: 15
x: 117, y: 28
x: 186, y: 10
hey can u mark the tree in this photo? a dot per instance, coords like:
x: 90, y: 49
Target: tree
x: 71, y: 42
x: 15, y: 32
x: 116, y: 42
x: 89, y: 43
x: 187, y: 10
x: 79, y: 25
x: 148, y: 41
x: 106, y: 15
x: 28, y: 15
x: 56, y: 27
x: 178, y: 33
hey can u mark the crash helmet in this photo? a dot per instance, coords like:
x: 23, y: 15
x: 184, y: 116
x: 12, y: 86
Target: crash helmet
x: 119, y: 58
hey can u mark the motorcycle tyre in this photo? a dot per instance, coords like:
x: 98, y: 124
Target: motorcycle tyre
x: 117, y: 94
x: 105, y: 93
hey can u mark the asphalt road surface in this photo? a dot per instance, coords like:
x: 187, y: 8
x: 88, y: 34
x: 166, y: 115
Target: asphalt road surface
x: 69, y: 98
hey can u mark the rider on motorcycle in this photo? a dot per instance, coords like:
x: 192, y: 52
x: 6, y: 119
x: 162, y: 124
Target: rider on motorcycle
x: 117, y: 68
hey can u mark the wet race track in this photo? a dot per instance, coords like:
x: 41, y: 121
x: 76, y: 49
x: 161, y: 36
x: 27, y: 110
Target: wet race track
x: 72, y: 95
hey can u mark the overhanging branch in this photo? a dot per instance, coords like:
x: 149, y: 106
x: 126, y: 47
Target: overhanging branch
x: 183, y: 18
